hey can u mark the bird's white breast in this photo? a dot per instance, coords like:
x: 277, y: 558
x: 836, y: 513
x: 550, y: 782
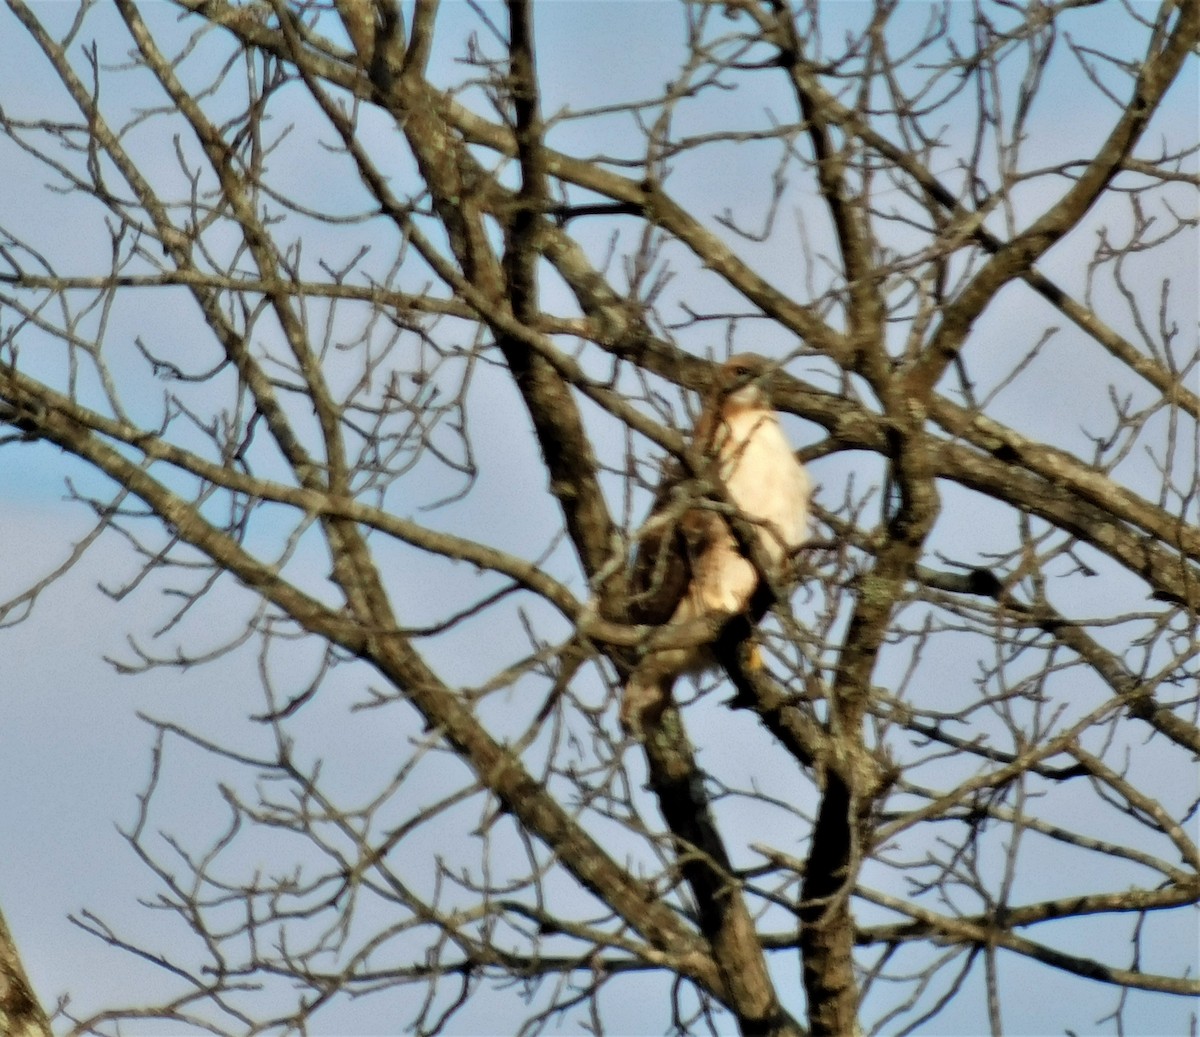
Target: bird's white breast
x: 765, y: 481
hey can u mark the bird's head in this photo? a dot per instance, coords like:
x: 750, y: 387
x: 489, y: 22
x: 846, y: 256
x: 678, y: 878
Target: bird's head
x: 739, y: 383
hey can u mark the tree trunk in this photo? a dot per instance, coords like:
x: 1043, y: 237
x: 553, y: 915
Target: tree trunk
x: 20, y: 1013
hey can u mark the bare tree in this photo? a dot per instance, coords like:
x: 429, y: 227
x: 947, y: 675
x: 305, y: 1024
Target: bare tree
x: 376, y: 325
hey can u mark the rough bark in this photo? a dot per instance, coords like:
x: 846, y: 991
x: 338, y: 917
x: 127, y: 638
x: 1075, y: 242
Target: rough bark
x: 20, y: 1013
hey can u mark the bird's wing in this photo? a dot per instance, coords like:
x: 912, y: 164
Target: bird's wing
x: 662, y: 566
x: 671, y: 543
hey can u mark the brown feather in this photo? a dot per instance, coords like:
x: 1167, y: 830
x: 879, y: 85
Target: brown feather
x: 670, y: 540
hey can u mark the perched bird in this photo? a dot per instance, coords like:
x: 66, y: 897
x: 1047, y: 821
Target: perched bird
x: 688, y: 564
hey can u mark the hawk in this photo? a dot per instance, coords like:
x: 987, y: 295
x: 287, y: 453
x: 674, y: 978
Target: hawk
x: 689, y: 564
